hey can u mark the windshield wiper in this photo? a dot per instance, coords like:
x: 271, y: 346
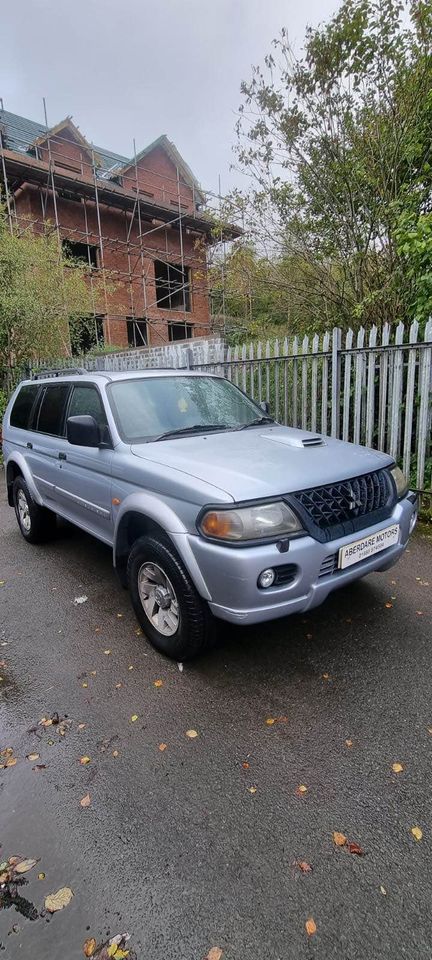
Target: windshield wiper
x: 196, y: 428
x: 256, y: 422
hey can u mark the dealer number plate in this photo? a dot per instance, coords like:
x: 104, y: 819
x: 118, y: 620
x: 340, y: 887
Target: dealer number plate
x: 367, y: 546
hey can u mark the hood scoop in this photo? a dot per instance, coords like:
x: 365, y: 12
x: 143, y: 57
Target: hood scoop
x: 295, y: 439
x: 312, y: 442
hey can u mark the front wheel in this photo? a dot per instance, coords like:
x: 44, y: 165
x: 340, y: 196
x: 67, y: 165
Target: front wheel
x: 170, y: 611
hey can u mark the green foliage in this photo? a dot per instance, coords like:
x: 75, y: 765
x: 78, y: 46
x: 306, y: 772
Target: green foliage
x: 337, y: 143
x: 43, y: 297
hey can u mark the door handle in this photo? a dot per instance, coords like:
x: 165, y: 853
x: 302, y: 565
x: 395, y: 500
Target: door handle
x: 29, y: 445
x: 62, y: 456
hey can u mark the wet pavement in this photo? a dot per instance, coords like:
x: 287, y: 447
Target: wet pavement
x: 197, y: 845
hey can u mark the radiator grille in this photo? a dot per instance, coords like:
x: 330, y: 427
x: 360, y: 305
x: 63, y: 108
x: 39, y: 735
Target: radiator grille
x: 348, y: 500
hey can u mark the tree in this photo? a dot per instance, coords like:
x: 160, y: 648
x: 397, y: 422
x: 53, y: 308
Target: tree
x: 338, y: 146
x: 44, y: 297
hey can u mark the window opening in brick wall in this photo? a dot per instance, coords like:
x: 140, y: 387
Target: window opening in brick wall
x: 172, y: 286
x: 179, y: 331
x: 136, y: 332
x: 84, y: 252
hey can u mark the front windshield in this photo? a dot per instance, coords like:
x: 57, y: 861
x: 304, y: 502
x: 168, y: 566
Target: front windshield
x: 148, y: 408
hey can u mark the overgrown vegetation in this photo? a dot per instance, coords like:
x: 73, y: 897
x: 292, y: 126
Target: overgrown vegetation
x: 337, y: 144
x: 45, y: 301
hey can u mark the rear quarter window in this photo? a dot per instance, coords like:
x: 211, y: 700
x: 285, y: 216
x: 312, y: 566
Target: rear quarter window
x: 22, y: 408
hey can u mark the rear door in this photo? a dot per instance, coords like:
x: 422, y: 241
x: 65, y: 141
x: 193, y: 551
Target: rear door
x: 83, y: 485
x: 43, y: 437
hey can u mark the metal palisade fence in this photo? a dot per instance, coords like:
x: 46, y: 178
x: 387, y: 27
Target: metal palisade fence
x: 373, y: 388
x: 370, y: 388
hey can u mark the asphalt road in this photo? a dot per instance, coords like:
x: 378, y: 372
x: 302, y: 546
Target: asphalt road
x: 188, y: 848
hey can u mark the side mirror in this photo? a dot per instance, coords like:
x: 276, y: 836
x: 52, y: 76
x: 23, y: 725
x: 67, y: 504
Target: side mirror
x: 265, y: 406
x: 83, y: 431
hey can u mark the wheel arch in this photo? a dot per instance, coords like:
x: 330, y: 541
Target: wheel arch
x: 156, y: 519
x: 17, y: 467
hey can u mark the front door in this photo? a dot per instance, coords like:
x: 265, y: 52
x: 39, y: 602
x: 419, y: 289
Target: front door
x: 83, y: 487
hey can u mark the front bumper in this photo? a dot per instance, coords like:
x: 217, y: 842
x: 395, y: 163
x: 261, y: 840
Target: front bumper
x: 230, y: 573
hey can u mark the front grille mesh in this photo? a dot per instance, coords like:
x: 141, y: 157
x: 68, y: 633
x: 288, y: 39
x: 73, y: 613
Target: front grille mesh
x: 340, y: 502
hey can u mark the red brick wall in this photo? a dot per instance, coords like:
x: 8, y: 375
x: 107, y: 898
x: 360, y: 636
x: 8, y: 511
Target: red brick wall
x: 123, y: 264
x: 157, y: 175
x: 67, y: 153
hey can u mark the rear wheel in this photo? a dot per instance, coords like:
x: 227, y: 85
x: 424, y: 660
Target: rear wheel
x: 170, y: 611
x: 36, y: 523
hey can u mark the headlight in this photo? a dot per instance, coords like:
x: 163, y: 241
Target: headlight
x: 250, y: 523
x: 400, y: 481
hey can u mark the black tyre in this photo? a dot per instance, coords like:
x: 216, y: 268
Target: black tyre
x: 36, y: 523
x: 173, y: 616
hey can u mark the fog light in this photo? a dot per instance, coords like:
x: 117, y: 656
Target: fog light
x: 266, y: 578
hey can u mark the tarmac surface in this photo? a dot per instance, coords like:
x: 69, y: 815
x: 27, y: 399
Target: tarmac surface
x: 197, y: 844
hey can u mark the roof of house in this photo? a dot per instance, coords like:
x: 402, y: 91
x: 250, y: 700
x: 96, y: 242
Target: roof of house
x: 22, y: 135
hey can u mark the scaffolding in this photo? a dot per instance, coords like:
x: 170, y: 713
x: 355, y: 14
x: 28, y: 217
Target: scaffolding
x: 161, y: 218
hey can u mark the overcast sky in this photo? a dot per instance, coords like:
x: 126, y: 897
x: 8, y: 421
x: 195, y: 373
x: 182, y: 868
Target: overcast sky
x: 139, y: 68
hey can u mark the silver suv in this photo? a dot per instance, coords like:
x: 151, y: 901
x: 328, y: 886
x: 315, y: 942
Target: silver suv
x: 211, y: 507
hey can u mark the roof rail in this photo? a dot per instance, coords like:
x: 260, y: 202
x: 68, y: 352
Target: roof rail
x: 58, y: 372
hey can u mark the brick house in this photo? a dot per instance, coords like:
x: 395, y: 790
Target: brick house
x: 137, y: 221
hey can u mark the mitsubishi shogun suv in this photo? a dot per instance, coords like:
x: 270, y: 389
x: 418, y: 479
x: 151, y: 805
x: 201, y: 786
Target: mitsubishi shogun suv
x: 212, y: 508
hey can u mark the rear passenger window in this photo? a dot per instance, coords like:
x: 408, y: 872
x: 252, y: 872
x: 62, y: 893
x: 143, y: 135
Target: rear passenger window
x: 86, y: 400
x: 52, y: 409
x: 22, y: 407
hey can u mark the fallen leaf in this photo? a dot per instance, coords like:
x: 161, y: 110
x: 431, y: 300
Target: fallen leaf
x: 252, y: 789
x: 41, y: 876
x: 92, y: 673
x: 162, y: 747
x: 417, y: 833
x: 304, y: 866
x: 355, y: 848
x: 115, y: 753
x: 158, y: 683
x: 134, y: 717
x: 107, y: 652
x: 84, y: 761
x: 180, y: 666
x: 389, y: 605
x: 56, y: 901
x: 4, y: 877
x: 191, y: 734
x: 339, y: 838
x: 11, y: 761
x: 131, y: 667
x: 7, y: 752
x: 79, y: 600
x: 326, y: 676
x: 39, y: 766
x: 397, y: 767
x: 85, y: 685
x: 245, y: 765
x: 383, y: 891
x: 25, y: 865
x: 270, y: 721
x: 429, y: 729
x: 214, y: 954
x: 119, y: 615
x: 118, y: 685
x: 89, y: 947
x: 310, y: 926
x: 301, y: 790
x: 81, y: 726
x: 348, y: 743
x: 85, y: 801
